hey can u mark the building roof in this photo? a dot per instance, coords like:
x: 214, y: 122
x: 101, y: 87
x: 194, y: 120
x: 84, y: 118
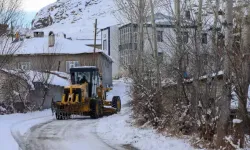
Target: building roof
x: 36, y: 46
x: 62, y: 45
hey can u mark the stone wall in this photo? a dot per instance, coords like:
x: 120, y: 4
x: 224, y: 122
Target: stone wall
x: 207, y: 90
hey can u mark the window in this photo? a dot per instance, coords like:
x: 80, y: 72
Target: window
x: 24, y: 65
x: 160, y: 36
x: 135, y: 37
x: 105, y: 45
x: 204, y: 38
x: 160, y: 56
x: 187, y: 14
x: 71, y: 64
x: 135, y: 46
x: 80, y: 77
x: 51, y: 39
x: 184, y: 37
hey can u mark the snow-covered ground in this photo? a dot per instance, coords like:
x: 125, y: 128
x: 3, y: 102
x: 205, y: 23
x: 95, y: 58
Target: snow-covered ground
x: 11, y: 125
x: 39, y: 130
x: 118, y: 129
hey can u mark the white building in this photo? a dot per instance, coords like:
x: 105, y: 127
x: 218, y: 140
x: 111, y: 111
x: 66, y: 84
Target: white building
x: 110, y: 42
x: 120, y: 42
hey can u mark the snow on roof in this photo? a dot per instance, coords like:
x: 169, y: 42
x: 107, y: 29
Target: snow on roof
x: 62, y: 45
x: 55, y: 78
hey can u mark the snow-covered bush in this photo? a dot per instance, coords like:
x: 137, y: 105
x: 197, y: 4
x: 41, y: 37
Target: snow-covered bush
x: 15, y: 91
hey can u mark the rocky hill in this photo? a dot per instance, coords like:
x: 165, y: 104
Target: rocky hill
x: 76, y: 16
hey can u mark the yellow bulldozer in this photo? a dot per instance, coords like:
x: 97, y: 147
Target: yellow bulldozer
x: 86, y: 96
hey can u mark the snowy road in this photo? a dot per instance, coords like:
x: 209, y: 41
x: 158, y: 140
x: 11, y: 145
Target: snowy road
x: 41, y: 131
x: 80, y: 133
x: 65, y: 135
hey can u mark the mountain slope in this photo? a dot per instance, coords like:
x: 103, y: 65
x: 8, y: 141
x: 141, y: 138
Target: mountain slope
x: 75, y: 17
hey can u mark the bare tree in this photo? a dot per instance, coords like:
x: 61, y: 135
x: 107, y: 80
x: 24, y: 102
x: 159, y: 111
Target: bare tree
x: 200, y: 93
x: 48, y: 63
x: 225, y: 102
x: 10, y: 16
x: 158, y: 77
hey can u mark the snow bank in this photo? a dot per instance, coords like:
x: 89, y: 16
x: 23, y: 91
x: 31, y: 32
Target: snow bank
x: 118, y: 129
x: 7, y: 122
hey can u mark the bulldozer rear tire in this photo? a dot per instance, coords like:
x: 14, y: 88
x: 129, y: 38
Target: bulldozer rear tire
x: 116, y: 103
x: 95, y: 109
x: 101, y: 109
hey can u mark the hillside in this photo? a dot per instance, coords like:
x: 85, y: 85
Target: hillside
x: 76, y: 17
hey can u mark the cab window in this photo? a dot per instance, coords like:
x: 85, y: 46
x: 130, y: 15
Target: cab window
x: 80, y: 77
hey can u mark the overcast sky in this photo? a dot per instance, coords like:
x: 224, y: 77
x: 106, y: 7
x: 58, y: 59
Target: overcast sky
x: 31, y: 7
x: 35, y: 5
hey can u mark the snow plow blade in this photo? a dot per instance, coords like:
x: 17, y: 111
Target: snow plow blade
x: 68, y: 111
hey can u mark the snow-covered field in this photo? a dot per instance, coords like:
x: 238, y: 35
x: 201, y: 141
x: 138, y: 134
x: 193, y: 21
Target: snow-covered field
x: 39, y: 130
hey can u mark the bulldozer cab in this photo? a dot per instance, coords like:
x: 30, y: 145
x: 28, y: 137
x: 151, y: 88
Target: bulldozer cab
x: 86, y: 74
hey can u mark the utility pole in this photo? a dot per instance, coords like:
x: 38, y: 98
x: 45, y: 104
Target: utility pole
x: 94, y: 57
x: 12, y: 33
x: 155, y: 48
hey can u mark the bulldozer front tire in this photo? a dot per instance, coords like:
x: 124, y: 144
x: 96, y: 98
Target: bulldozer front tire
x: 116, y: 103
x: 58, y: 116
x: 95, y: 109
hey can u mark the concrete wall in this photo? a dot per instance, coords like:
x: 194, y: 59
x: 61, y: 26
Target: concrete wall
x: 105, y: 68
x: 114, y: 50
x: 54, y: 92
